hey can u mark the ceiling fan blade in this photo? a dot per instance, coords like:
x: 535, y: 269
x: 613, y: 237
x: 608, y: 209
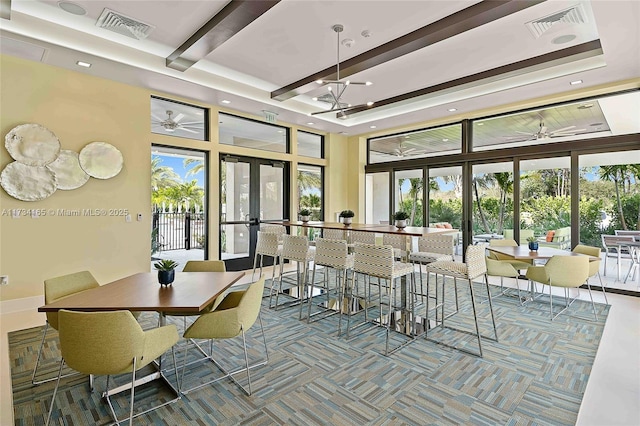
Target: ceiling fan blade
x: 188, y: 130
x: 563, y: 129
x: 523, y: 133
x: 178, y: 117
x: 191, y: 122
x: 155, y: 117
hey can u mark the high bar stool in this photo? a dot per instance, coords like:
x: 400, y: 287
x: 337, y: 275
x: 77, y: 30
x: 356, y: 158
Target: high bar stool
x: 399, y: 244
x: 474, y: 267
x: 296, y: 249
x: 267, y: 245
x: 378, y: 261
x: 432, y: 248
x: 332, y: 254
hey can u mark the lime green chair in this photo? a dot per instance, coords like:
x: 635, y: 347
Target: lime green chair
x: 565, y: 272
x: 498, y: 268
x: 56, y: 289
x: 234, y: 316
x: 594, y: 265
x: 507, y: 242
x: 109, y: 343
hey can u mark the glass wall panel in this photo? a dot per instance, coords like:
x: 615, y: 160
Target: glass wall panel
x: 545, y: 201
x: 310, y: 145
x: 445, y: 200
x: 377, y: 198
x: 310, y: 189
x: 610, y: 203
x: 419, y: 144
x: 492, y: 201
x: 173, y: 118
x: 605, y: 116
x: 240, y: 131
x: 408, y: 195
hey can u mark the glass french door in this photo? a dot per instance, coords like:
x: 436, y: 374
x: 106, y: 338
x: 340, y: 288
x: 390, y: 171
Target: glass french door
x: 252, y: 191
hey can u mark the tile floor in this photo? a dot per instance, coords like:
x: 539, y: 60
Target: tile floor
x: 612, y: 396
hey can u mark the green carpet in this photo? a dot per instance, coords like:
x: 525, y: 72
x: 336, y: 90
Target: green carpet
x: 536, y: 374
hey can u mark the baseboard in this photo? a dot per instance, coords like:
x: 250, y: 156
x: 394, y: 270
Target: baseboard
x: 18, y: 305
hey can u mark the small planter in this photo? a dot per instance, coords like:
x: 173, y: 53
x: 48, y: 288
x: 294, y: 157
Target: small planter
x: 533, y: 246
x: 166, y: 277
x: 401, y: 224
x: 347, y: 220
x: 305, y: 218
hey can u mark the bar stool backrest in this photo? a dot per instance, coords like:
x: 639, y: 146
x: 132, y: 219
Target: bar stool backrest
x: 333, y: 234
x: 279, y: 230
x: 332, y: 253
x: 395, y: 240
x: 437, y: 243
x: 363, y: 237
x: 376, y: 261
x: 295, y: 247
x: 267, y: 244
x: 476, y: 264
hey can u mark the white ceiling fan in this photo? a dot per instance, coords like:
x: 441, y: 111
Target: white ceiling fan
x: 543, y: 132
x: 171, y: 124
x: 402, y: 151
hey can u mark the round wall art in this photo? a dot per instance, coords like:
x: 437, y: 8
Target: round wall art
x: 28, y: 183
x: 68, y: 172
x: 32, y: 144
x: 101, y: 160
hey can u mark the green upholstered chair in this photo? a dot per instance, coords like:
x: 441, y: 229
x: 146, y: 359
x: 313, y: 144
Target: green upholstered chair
x: 474, y: 267
x: 498, y: 268
x: 109, y: 343
x: 565, y: 272
x: 594, y: 265
x: 517, y: 264
x: 56, y: 289
x: 234, y: 316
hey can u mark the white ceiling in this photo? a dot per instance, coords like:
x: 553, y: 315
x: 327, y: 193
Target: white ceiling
x: 294, y: 39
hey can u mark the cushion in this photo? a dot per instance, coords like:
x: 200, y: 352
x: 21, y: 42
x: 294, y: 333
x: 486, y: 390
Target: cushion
x: 550, y: 235
x: 448, y: 226
x: 439, y: 225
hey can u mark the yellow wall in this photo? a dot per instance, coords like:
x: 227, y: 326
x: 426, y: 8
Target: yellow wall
x: 80, y: 109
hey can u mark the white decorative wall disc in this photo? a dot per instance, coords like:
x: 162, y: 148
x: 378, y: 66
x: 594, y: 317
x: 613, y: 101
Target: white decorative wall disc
x: 32, y: 144
x: 28, y: 183
x: 101, y: 160
x: 68, y: 172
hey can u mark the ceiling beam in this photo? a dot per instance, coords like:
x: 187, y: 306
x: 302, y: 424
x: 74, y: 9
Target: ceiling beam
x: 234, y: 17
x: 464, y: 20
x: 559, y: 57
x: 5, y: 9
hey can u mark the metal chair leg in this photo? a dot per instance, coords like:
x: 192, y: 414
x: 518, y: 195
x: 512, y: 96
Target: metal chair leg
x: 55, y: 391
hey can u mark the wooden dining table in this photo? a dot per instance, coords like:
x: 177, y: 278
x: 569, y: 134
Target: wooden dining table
x: 543, y: 253
x: 190, y: 292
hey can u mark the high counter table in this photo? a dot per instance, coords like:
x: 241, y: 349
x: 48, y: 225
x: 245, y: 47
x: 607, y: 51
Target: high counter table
x: 410, y: 231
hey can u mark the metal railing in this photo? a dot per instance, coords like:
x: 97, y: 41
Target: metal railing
x: 178, y: 231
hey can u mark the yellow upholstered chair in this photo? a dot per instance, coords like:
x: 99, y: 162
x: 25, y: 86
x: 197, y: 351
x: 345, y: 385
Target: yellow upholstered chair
x: 56, y: 289
x: 498, y: 268
x: 474, y: 267
x: 233, y: 317
x: 562, y: 271
x: 109, y: 343
x: 201, y: 266
x: 517, y: 264
x: 594, y: 265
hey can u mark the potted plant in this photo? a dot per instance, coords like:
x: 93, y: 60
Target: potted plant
x: 347, y: 216
x: 305, y: 215
x: 166, y: 271
x: 401, y: 219
x: 533, y: 243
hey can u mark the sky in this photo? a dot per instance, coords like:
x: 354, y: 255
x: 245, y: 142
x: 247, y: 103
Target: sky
x: 176, y: 164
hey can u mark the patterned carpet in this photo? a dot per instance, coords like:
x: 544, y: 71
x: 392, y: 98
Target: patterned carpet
x: 536, y: 374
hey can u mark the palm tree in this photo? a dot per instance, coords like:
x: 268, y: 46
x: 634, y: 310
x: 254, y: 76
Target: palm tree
x: 505, y: 183
x: 482, y: 182
x: 162, y: 176
x: 198, y: 166
x: 308, y: 181
x: 415, y: 189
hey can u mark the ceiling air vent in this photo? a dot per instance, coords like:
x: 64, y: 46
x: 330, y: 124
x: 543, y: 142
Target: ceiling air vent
x: 121, y: 24
x: 573, y: 15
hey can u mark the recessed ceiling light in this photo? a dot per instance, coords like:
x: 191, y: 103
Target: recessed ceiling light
x: 84, y: 64
x: 563, y: 39
x: 372, y: 127
x: 445, y: 140
x: 452, y: 109
x: 480, y: 124
x: 314, y: 99
x: 585, y: 106
x: 280, y: 131
x: 573, y: 83
x: 369, y: 103
x: 199, y: 113
x: 73, y: 8
x: 319, y: 81
x: 368, y: 83
x: 310, y: 123
x: 224, y: 101
x: 596, y: 124
x: 406, y: 137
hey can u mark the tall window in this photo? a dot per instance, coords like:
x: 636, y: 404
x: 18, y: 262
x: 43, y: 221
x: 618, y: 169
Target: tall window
x: 493, y: 199
x: 310, y: 189
x: 377, y: 198
x: 408, y: 195
x: 419, y: 144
